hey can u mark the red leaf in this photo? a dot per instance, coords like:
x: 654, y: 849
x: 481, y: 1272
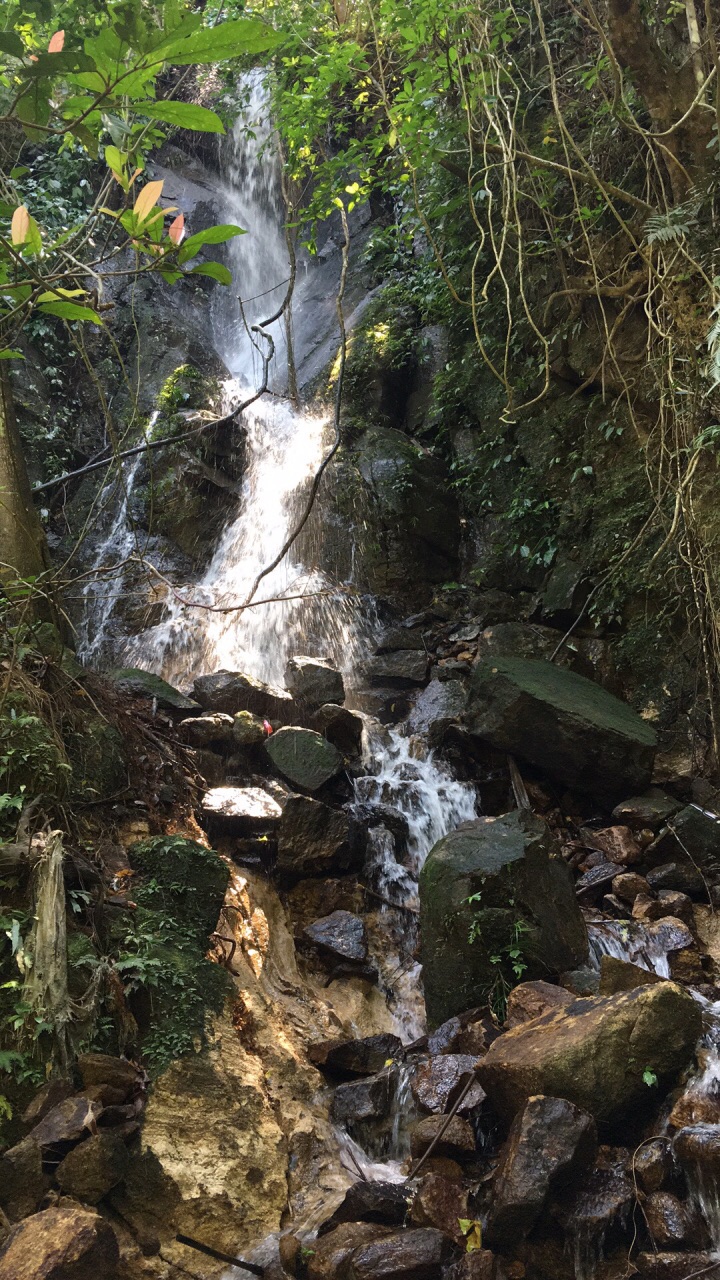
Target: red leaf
x: 267, y: 727
x: 56, y: 42
x: 176, y: 230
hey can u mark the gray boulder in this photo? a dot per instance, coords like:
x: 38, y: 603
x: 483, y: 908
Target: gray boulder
x: 573, y: 730
x: 341, y: 727
x: 305, y: 758
x: 524, y: 901
x: 314, y: 682
x: 399, y: 669
x: 341, y: 936
x: 231, y: 691
x: 313, y: 839
x: 438, y: 707
x: 240, y: 810
x: 213, y: 729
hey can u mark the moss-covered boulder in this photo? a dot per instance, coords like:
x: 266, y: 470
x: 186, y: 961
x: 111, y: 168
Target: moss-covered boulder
x: 304, y: 757
x: 572, y: 729
x: 596, y: 1053
x: 146, y: 685
x: 495, y: 904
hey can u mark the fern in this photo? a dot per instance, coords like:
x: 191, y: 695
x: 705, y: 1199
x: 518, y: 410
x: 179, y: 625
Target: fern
x: 713, y: 342
x: 673, y: 224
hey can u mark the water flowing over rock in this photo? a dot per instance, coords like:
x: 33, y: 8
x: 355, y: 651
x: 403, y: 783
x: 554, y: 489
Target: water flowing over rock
x: 570, y: 728
x: 492, y: 861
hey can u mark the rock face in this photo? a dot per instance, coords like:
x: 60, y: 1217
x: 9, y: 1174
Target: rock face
x: 63, y: 1243
x: 313, y: 682
x: 594, y: 1052
x: 303, y: 757
x: 572, y: 729
x: 240, y: 810
x: 500, y: 860
x: 231, y: 691
x: 313, y: 838
x: 550, y: 1142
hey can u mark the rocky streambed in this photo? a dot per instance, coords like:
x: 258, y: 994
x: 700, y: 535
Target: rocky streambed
x: 491, y: 817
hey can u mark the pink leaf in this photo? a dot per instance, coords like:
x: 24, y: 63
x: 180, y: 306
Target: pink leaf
x: 56, y: 42
x: 176, y: 230
x: 267, y: 727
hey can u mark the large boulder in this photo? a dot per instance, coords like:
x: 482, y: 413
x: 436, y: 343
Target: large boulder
x: 523, y: 900
x: 94, y: 1168
x: 595, y: 1052
x: 313, y: 839
x: 231, y: 691
x: 67, y: 1242
x: 22, y: 1181
x: 438, y: 707
x: 240, y: 810
x: 572, y: 729
x: 550, y: 1143
x: 314, y: 682
x: 143, y: 684
x: 305, y: 758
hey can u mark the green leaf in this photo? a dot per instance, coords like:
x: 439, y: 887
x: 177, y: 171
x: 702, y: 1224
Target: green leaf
x: 11, y: 43
x: 9, y: 354
x: 114, y: 159
x: 184, y: 114
x: 214, y: 44
x: 212, y: 235
x: 34, y: 108
x: 57, y: 64
x: 70, y: 311
x: 215, y: 270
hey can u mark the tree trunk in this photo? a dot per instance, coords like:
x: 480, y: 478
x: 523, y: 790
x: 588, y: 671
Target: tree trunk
x: 23, y: 550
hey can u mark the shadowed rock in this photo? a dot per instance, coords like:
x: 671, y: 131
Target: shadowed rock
x: 313, y: 839
x: 63, y: 1243
x: 312, y: 682
x: 231, y: 691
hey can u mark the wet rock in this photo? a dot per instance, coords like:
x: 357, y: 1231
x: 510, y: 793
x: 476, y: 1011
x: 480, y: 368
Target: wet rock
x: 22, y: 1181
x: 669, y: 1222
x: 67, y: 1242
x: 331, y: 1251
x: 405, y: 1255
x: 650, y: 811
x: 677, y: 904
x: 305, y: 758
x: 595, y: 1051
x: 69, y: 1121
x: 628, y: 885
x: 46, y: 1098
x: 214, y: 729
x: 653, y: 1164
x: 312, y: 682
x: 498, y: 859
x: 145, y: 685
x: 670, y: 934
x: 209, y: 765
x: 595, y: 882
x: 551, y: 1142
x: 248, y: 730
x: 398, y: 670
x: 531, y: 999
x: 401, y: 637
x: 356, y: 1057
x: 340, y: 936
x: 357, y: 1102
x: 441, y: 1203
x: 479, y: 1265
x: 231, y: 691
x: 686, y: 967
x: 581, y: 982
x: 457, y: 1142
x: 445, y: 1167
x: 467, y: 1035
x: 614, y: 907
x: 94, y: 1168
x: 240, y: 810
x: 313, y: 839
x: 692, y: 835
x: 386, y: 1202
x: 680, y: 877
x: 341, y: 727
x: 621, y: 975
x: 616, y: 843
x: 434, y: 1082
x: 570, y: 728
x: 438, y: 707
x: 600, y: 1199
x: 677, y: 1266
x: 694, y: 1108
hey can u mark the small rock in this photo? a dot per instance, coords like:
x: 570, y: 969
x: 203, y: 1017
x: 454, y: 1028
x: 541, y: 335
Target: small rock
x: 102, y: 1068
x: 459, y: 1036
x: 647, y: 909
x: 551, y: 1142
x: 22, y: 1181
x: 694, y: 1108
x: 46, y: 1098
x: 213, y: 729
x: 628, y: 885
x: 356, y: 1057
x: 681, y: 877
x: 653, y: 1164
x: 341, y: 936
x: 478, y: 1265
x: 691, y: 835
x: 583, y: 981
x: 438, y: 707
x: 599, y: 1200
x: 457, y: 1142
x: 331, y: 1252
x: 652, y: 809
x: 143, y: 684
x: 697, y: 1149
x: 620, y: 975
x: 434, y: 1082
x: 69, y: 1121
x: 398, y: 669
x: 670, y: 934
x: 686, y: 967
x: 386, y: 1202
x: 531, y: 999
x: 446, y: 1168
x: 676, y: 1266
x: 357, y: 1102
x: 248, y: 730
x: 343, y: 728
x: 617, y: 844
x: 593, y: 883
x: 678, y: 905
x: 66, y: 1242
x: 670, y: 1222
x: 313, y: 839
x: 240, y: 810
x: 614, y: 907
x: 440, y: 1203
x: 405, y: 1255
x: 305, y: 758
x: 312, y: 682
x: 89, y: 1171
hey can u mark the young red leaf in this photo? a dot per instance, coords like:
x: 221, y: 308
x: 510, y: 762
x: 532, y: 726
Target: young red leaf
x: 56, y: 42
x: 176, y: 230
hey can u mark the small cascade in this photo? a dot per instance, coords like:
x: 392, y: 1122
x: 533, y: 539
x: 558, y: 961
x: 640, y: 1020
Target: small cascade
x: 626, y: 940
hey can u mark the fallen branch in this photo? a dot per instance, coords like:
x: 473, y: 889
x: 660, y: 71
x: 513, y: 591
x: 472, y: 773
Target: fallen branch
x: 221, y: 1257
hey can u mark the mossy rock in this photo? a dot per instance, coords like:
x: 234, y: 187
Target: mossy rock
x: 135, y: 680
x: 97, y: 756
x: 186, y: 880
